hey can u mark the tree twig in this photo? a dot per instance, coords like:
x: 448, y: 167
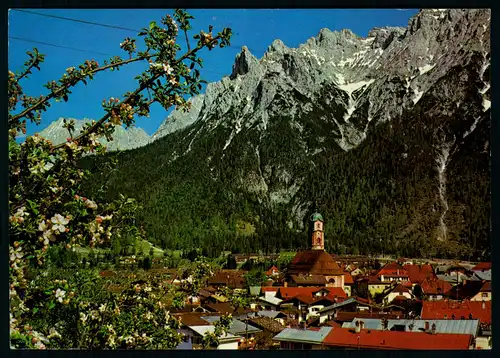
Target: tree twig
x: 55, y: 93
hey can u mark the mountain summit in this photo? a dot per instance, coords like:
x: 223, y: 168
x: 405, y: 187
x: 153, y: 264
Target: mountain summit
x: 390, y: 133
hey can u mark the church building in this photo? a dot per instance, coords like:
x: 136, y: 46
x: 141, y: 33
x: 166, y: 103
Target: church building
x: 314, y: 267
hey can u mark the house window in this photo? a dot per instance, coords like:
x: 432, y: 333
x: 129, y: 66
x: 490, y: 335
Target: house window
x: 484, y: 294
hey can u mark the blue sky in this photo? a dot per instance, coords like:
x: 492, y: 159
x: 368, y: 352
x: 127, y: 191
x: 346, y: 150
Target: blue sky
x: 256, y: 29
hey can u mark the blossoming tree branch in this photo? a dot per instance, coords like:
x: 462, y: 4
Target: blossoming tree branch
x: 53, y: 308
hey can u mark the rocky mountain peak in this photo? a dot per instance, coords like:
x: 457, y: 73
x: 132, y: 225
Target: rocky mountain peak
x: 243, y: 63
x: 123, y: 139
x: 384, y: 36
x: 277, y: 46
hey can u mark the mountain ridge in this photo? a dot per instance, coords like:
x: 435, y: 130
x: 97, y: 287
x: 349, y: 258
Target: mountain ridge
x: 370, y: 127
x: 123, y: 139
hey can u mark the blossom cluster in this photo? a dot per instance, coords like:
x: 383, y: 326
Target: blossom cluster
x: 46, y: 211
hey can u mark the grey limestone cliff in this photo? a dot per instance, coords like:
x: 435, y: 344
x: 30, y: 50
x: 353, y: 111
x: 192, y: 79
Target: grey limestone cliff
x: 122, y: 138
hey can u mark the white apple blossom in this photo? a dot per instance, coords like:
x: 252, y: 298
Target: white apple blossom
x: 90, y: 204
x: 173, y: 81
x: 58, y: 222
x: 83, y: 317
x: 168, y: 70
x: 48, y: 235
x: 42, y: 226
x: 60, y: 294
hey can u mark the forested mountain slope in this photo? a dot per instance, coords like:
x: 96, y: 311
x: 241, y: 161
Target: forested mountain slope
x: 388, y: 134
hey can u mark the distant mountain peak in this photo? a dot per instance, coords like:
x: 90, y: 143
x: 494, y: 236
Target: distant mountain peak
x: 123, y: 139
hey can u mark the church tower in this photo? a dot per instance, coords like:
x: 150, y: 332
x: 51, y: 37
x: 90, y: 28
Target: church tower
x: 318, y: 236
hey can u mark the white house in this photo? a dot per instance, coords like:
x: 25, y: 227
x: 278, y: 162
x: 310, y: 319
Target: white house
x: 195, y: 334
x: 398, y: 291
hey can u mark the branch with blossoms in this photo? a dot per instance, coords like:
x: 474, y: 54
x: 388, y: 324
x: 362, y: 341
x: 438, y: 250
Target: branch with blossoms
x: 47, y: 206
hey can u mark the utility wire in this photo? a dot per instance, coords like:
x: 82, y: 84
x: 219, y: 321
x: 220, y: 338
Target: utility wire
x: 53, y: 45
x: 80, y: 50
x: 76, y: 20
x: 106, y: 25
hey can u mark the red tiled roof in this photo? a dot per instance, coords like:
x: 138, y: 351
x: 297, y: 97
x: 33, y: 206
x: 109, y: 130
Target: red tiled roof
x: 333, y: 324
x: 465, y: 290
x: 374, y: 339
x: 393, y: 269
x: 272, y: 270
x: 407, y: 284
x: 435, y: 286
x: 309, y: 299
x: 418, y: 273
x: 269, y: 289
x: 290, y: 292
x: 348, y: 278
x: 486, y: 287
x: 336, y: 292
x: 482, y: 266
x: 374, y: 280
x: 400, y: 289
x: 438, y: 310
x: 220, y: 307
x: 315, y: 262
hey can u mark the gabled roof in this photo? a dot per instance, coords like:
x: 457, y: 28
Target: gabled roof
x: 400, y: 289
x: 202, y: 330
x: 418, y: 273
x: 392, y: 269
x: 374, y: 280
x: 483, y: 276
x: 486, y: 287
x: 308, y: 279
x: 236, y: 327
x: 467, y: 326
x: 348, y: 278
x: 313, y: 336
x: 271, y: 314
x: 349, y: 316
x: 349, y: 301
x: 289, y: 292
x: 372, y: 339
x: 435, y: 286
x: 308, y: 300
x: 271, y: 270
x: 440, y: 309
x: 220, y: 307
x: 465, y: 290
x: 482, y: 266
x: 315, y: 262
x: 267, y: 324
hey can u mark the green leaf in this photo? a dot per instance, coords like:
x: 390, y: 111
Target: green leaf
x: 152, y: 25
x: 35, y: 309
x: 51, y: 305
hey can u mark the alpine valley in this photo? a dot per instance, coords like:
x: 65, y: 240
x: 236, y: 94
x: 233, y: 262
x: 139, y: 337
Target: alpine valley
x: 387, y: 136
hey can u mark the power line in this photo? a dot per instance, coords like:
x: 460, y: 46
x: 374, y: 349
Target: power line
x: 106, y: 25
x: 76, y: 20
x: 80, y: 50
x: 59, y: 46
